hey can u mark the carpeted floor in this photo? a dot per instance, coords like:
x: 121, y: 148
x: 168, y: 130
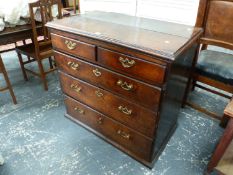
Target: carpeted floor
x: 36, y: 138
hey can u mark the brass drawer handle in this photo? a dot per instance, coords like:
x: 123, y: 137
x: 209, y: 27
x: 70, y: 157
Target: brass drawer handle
x: 126, y: 63
x: 80, y: 111
x: 70, y: 45
x: 96, y: 72
x: 75, y: 88
x: 73, y: 65
x: 100, y: 120
x: 123, y: 134
x: 125, y: 85
x: 99, y: 94
x: 125, y: 110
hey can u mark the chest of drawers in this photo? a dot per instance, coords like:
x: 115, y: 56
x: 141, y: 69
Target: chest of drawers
x: 122, y: 80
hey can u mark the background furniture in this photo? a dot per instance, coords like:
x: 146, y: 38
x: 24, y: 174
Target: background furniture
x: 121, y: 85
x: 211, y: 67
x: 8, y: 84
x: 13, y: 34
x: 39, y: 50
x: 223, y: 154
x: 71, y: 6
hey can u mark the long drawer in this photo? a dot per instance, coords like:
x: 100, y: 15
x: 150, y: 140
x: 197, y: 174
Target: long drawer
x: 130, y: 114
x: 120, y: 134
x: 141, y: 69
x: 139, y: 92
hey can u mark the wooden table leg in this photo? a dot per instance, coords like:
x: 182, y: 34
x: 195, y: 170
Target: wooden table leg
x: 221, y: 147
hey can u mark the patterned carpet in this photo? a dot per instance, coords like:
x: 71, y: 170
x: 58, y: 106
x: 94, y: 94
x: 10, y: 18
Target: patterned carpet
x: 36, y: 138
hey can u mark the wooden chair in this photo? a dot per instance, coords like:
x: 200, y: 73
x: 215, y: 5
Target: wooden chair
x: 222, y: 158
x: 71, y: 8
x: 39, y: 50
x: 212, y: 67
x: 8, y: 84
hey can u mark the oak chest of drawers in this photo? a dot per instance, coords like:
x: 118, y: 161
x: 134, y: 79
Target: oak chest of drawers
x: 124, y: 77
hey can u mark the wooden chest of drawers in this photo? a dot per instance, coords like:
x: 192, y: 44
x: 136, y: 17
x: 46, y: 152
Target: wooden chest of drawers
x: 124, y: 80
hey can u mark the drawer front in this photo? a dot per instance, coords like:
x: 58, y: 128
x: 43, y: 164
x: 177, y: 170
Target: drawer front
x: 131, y: 89
x: 132, y: 115
x: 150, y: 72
x: 74, y: 47
x: 109, y: 128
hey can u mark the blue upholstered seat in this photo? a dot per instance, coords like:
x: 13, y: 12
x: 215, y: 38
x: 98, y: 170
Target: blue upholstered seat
x: 216, y: 65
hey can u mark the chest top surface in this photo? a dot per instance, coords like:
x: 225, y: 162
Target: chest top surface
x: 158, y: 38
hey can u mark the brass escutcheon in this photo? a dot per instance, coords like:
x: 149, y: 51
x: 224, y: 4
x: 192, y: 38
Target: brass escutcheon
x: 70, y: 45
x: 125, y: 85
x: 126, y: 63
x: 96, y: 72
x: 98, y: 93
x: 100, y: 120
x: 125, y: 110
x: 80, y: 111
x: 123, y: 134
x: 73, y: 65
x: 75, y: 88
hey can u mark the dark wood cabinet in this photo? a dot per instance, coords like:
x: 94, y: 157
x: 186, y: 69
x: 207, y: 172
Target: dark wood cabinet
x: 125, y: 83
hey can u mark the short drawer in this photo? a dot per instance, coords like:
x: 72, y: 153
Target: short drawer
x: 121, y: 135
x: 131, y: 89
x: 74, y: 47
x: 138, y: 68
x: 130, y: 114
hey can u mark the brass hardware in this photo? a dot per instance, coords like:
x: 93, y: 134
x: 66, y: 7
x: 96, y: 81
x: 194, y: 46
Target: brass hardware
x: 75, y: 87
x: 70, y: 45
x: 99, y: 94
x: 100, y: 120
x: 73, y: 65
x: 123, y: 134
x: 125, y: 85
x: 96, y: 72
x: 125, y: 110
x: 80, y: 111
x: 126, y: 63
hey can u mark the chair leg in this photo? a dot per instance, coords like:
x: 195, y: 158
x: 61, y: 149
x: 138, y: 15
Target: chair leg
x: 8, y: 82
x: 42, y: 74
x: 50, y: 62
x: 24, y: 42
x: 22, y: 66
x: 187, y: 89
x: 185, y: 94
x: 193, y: 84
x: 190, y: 78
x: 221, y: 147
x: 9, y: 87
x: 224, y: 121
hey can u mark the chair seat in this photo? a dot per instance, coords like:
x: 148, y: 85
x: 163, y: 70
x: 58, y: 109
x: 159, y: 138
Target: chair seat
x: 29, y: 50
x: 216, y: 65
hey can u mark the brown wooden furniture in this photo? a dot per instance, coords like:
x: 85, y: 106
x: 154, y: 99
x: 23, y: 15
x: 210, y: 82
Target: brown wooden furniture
x: 11, y: 36
x: 8, y: 84
x: 72, y: 8
x: 211, y: 67
x: 222, y: 157
x: 124, y: 80
x: 39, y: 50
x: 14, y: 34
